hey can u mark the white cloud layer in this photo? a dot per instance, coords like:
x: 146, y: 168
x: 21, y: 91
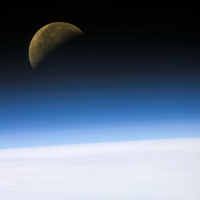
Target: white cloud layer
x: 142, y: 170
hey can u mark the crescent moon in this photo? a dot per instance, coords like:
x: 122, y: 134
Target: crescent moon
x: 49, y: 38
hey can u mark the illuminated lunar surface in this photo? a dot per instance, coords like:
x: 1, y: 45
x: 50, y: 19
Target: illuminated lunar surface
x: 49, y: 38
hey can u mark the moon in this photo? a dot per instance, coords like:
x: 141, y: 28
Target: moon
x: 49, y: 38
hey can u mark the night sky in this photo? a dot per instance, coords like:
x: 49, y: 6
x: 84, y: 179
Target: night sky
x: 133, y: 75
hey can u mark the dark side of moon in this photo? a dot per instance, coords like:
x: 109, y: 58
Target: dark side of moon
x: 49, y: 38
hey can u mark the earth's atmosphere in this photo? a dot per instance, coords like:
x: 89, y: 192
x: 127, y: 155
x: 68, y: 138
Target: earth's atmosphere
x: 151, y: 169
x: 113, y: 114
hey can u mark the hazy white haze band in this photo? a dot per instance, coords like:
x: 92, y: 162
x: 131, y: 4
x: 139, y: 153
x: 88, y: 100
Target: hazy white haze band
x: 151, y: 169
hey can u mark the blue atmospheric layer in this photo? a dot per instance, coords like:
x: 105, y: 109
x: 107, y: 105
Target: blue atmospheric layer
x: 28, y: 111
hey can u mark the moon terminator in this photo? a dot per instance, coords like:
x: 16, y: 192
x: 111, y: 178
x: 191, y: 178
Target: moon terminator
x: 49, y: 38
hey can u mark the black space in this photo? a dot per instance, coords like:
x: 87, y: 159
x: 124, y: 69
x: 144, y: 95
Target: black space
x: 131, y: 39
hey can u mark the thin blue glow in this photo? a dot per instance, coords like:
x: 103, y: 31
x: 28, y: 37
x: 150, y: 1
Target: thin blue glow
x: 87, y: 111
